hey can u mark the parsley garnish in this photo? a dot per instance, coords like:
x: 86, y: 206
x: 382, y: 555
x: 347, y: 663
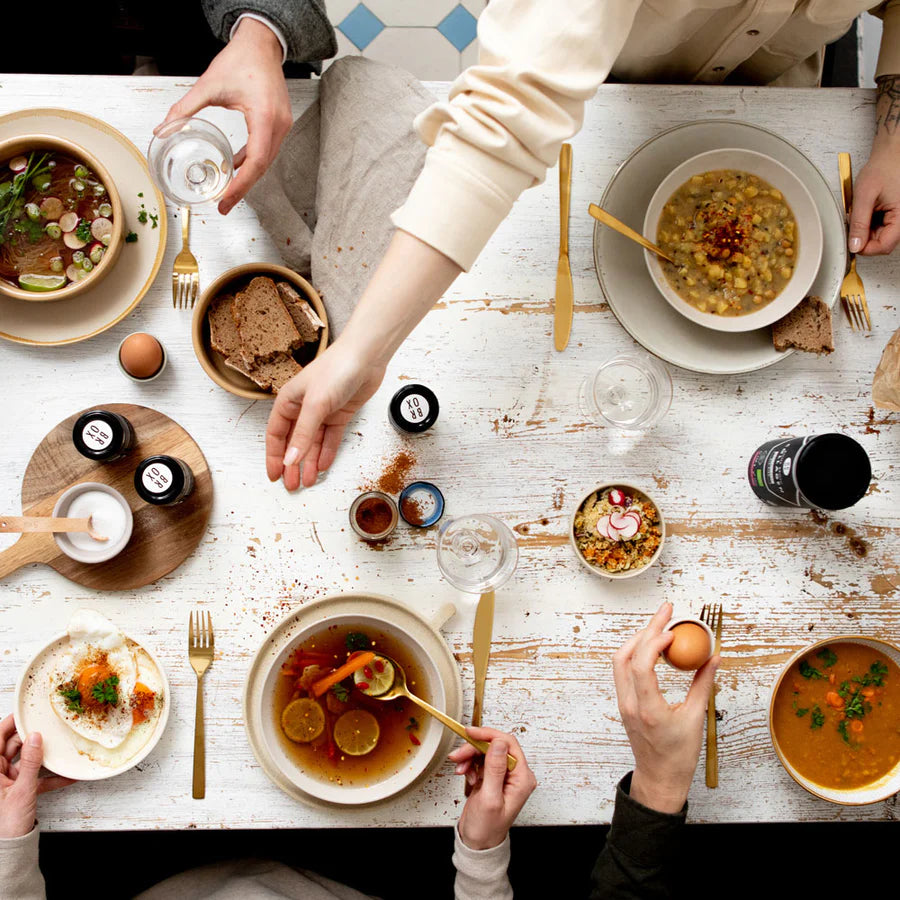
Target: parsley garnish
x: 154, y: 220
x: 818, y: 718
x: 875, y: 676
x: 130, y: 238
x: 83, y: 231
x: 828, y: 657
x: 140, y: 193
x: 105, y: 691
x: 341, y: 692
x: 808, y: 671
x: 800, y: 711
x: 72, y: 696
x: 842, y: 730
x: 356, y: 640
x: 142, y: 216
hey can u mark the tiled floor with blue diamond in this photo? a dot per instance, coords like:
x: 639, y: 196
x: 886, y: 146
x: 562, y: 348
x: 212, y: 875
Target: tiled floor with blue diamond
x: 433, y: 39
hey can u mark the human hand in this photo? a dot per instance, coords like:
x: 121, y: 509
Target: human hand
x: 498, y: 795
x: 665, y: 738
x: 312, y: 410
x: 245, y: 76
x: 877, y: 190
x: 20, y: 783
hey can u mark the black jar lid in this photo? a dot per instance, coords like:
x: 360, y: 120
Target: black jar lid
x: 414, y: 408
x: 100, y: 434
x: 160, y: 479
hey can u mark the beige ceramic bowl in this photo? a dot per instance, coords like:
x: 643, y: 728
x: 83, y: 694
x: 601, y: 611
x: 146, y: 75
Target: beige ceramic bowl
x: 24, y: 144
x: 884, y: 787
x: 230, y: 281
x: 597, y: 570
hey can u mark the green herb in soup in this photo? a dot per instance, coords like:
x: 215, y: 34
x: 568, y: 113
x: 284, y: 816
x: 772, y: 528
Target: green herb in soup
x: 734, y: 241
x: 56, y: 220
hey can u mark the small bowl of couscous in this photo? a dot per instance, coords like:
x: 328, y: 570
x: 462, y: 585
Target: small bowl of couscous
x: 617, y: 531
x: 745, y: 236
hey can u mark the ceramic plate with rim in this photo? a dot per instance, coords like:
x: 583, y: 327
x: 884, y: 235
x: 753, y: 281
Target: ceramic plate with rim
x: 809, y: 233
x: 623, y: 275
x: 119, y: 292
x: 33, y: 712
x: 425, y: 643
x: 884, y: 787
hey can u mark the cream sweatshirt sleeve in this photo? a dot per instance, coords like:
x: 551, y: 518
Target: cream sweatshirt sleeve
x: 20, y: 876
x: 506, y: 117
x: 481, y: 874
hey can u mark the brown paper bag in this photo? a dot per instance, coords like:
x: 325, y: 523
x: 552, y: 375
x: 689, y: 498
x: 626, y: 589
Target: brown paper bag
x: 886, y: 384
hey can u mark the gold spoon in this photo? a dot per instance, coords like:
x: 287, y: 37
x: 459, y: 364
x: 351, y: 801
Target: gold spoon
x: 398, y: 688
x: 48, y: 523
x: 601, y: 215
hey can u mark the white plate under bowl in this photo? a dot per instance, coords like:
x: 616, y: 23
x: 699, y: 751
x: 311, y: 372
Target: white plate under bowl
x: 808, y: 245
x: 889, y: 783
x: 623, y: 275
x: 426, y: 646
x: 33, y: 712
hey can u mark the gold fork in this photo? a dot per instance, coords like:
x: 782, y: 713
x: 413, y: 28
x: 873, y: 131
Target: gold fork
x: 853, y: 295
x: 200, y: 653
x: 185, y: 271
x: 712, y: 615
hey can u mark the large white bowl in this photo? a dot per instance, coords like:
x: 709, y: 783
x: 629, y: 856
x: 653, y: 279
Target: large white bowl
x: 888, y: 784
x: 809, y: 235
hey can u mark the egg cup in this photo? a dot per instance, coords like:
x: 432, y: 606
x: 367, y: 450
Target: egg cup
x: 128, y: 374
x: 691, y: 620
x: 104, y: 551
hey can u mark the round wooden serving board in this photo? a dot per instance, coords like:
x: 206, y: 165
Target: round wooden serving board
x: 163, y: 536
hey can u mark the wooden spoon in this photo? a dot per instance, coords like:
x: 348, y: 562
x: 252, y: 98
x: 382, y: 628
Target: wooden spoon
x: 601, y: 215
x: 48, y: 523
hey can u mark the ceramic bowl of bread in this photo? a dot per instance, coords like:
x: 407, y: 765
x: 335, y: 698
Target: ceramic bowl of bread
x: 256, y: 326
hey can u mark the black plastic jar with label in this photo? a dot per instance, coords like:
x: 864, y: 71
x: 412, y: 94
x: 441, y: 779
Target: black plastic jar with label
x: 163, y: 480
x: 102, y: 435
x: 825, y: 471
x: 413, y: 409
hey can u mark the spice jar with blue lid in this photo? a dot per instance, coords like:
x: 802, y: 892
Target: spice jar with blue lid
x: 413, y: 409
x: 102, y: 435
x: 163, y: 480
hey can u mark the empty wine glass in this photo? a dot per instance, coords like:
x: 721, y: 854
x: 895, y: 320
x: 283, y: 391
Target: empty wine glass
x: 631, y: 391
x: 476, y: 553
x: 191, y: 161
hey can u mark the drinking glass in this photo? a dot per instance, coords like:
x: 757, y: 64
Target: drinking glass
x: 631, y: 391
x: 476, y: 553
x: 191, y: 161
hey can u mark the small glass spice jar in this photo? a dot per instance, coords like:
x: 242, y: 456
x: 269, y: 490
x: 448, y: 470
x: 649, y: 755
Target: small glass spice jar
x: 373, y: 515
x: 102, y: 435
x: 413, y: 409
x: 163, y: 480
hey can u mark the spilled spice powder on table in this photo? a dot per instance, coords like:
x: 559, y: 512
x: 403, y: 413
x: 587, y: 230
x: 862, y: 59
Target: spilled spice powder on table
x: 395, y: 476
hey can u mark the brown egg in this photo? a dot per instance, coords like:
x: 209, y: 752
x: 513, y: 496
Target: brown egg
x: 690, y: 647
x: 141, y: 355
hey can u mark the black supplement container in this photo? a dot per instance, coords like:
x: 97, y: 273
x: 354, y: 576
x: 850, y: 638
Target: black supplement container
x: 163, y: 480
x: 102, y: 435
x: 413, y: 409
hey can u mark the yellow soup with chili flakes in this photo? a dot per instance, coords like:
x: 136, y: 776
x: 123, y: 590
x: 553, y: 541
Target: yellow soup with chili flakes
x: 734, y: 241
x: 836, y: 716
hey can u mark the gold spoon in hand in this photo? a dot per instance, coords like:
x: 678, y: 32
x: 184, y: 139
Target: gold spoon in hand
x: 399, y: 689
x: 48, y: 523
x: 602, y: 216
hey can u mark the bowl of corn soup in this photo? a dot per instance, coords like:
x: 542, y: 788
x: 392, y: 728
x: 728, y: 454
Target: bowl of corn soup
x: 745, y: 236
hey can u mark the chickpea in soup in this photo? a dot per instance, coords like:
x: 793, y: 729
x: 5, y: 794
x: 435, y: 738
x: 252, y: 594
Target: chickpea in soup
x: 734, y: 241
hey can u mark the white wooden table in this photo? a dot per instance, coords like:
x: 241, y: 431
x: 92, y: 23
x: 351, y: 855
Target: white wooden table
x: 510, y: 441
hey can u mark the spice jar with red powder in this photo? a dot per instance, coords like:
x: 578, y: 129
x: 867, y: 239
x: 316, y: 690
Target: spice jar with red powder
x: 373, y: 515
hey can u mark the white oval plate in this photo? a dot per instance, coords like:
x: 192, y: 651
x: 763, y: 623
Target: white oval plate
x: 33, y: 713
x: 623, y: 275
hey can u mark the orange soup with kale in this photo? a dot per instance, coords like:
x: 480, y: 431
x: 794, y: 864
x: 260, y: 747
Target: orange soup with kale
x: 836, y: 716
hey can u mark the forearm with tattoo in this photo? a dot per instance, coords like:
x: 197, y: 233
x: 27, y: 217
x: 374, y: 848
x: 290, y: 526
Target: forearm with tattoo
x: 887, y: 107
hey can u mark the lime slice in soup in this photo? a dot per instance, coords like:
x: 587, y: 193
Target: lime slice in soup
x: 378, y: 677
x: 356, y: 732
x: 41, y: 283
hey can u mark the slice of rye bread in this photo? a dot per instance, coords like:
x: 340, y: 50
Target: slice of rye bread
x: 223, y: 333
x: 807, y: 327
x: 271, y: 375
x: 264, y: 325
x: 305, y: 317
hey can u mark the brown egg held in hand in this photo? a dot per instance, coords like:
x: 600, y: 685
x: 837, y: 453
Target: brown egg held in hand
x: 690, y: 647
x: 141, y: 355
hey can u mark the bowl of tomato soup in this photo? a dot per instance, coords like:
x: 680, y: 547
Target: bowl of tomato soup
x: 834, y: 719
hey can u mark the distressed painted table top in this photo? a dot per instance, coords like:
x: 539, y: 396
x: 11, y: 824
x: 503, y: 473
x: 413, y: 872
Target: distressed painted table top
x: 510, y: 441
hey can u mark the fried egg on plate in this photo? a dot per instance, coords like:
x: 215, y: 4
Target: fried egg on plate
x: 105, y: 689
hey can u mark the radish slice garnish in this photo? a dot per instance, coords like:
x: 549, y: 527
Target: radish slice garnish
x: 68, y: 221
x: 619, y: 520
x: 18, y: 164
x: 634, y: 514
x: 603, y: 527
x: 630, y: 529
x: 616, y: 497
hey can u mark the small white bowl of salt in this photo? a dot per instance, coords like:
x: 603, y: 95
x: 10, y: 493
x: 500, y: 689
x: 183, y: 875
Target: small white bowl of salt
x: 110, y: 517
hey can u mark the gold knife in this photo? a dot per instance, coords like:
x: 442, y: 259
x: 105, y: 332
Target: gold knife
x: 481, y: 653
x: 565, y: 294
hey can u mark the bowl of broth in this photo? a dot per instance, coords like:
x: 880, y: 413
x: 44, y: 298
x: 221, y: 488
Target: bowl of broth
x: 833, y: 719
x: 745, y: 235
x: 340, y: 745
x: 61, y: 220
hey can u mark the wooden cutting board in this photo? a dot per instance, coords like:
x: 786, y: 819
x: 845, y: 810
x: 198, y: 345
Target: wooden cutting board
x: 163, y: 536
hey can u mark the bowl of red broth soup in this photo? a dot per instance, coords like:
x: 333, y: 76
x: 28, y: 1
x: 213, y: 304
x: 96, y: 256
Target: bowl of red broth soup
x: 61, y: 221
x: 834, y: 719
x: 328, y: 733
x: 745, y: 236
